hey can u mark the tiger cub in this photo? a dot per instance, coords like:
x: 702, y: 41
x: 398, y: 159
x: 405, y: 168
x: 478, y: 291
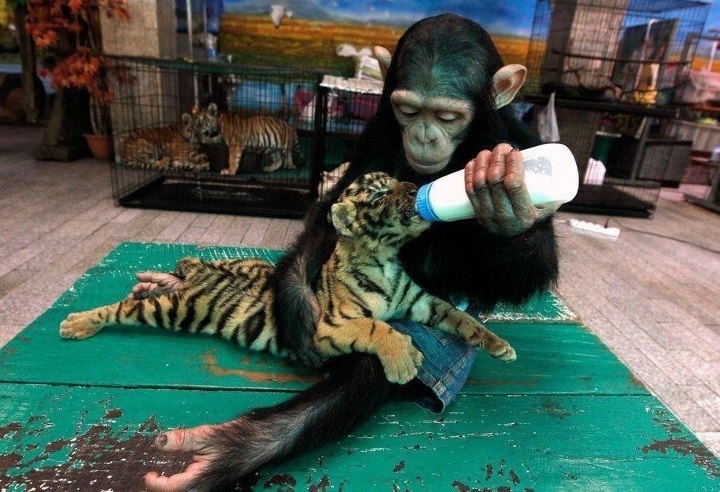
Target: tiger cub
x: 361, y: 286
x: 265, y: 135
x: 166, y: 147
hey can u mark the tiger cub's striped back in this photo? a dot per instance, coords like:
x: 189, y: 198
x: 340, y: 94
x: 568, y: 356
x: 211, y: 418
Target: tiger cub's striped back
x: 265, y: 135
x: 230, y: 298
x: 165, y: 147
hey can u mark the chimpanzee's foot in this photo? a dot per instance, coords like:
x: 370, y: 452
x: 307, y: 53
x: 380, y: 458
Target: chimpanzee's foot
x: 152, y: 284
x: 192, y: 439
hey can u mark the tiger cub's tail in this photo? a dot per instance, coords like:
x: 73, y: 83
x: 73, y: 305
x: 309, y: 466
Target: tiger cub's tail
x: 328, y: 410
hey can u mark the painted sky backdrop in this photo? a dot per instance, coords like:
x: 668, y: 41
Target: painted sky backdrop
x: 502, y: 17
x: 498, y: 16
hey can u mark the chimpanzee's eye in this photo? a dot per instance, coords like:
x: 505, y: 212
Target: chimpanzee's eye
x: 447, y: 116
x: 407, y: 110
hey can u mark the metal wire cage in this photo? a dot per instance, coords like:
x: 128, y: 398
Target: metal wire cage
x: 347, y: 105
x: 154, y: 167
x: 615, y: 66
x: 631, y: 50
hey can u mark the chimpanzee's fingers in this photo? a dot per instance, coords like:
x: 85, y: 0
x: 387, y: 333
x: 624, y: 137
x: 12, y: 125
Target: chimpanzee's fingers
x: 190, y: 439
x: 523, y: 209
x: 504, y: 213
x: 178, y: 482
x: 476, y: 187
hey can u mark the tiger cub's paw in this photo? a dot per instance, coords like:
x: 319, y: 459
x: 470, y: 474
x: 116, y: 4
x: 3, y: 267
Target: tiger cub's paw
x: 78, y: 326
x: 500, y: 349
x: 481, y: 337
x: 400, y: 359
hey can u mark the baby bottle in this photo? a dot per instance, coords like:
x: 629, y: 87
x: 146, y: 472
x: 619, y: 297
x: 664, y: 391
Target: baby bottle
x: 551, y: 175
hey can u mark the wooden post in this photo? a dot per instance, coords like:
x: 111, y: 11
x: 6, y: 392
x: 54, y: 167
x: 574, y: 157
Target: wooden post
x: 30, y: 88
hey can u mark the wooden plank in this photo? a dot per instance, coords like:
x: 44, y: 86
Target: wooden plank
x: 80, y: 438
x: 566, y: 415
x: 551, y: 359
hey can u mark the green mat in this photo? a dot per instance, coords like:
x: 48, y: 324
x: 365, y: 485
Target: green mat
x: 567, y: 415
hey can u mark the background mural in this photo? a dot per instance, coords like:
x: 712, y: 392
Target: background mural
x: 306, y: 33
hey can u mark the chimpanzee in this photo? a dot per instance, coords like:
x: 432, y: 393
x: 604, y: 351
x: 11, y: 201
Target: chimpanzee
x: 444, y: 107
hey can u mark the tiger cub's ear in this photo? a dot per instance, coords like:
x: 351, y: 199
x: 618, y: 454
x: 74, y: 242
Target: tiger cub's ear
x: 343, y: 216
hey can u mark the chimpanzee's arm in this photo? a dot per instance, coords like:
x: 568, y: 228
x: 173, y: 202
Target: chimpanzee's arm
x: 463, y: 258
x: 296, y: 307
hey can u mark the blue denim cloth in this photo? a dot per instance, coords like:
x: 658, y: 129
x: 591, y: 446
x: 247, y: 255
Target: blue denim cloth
x: 446, y: 365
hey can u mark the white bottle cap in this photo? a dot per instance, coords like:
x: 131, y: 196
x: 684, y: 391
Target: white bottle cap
x: 422, y: 204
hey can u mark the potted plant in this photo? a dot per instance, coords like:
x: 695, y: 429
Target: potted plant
x: 70, y: 30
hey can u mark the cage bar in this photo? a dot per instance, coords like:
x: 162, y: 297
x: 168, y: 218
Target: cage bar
x: 347, y: 105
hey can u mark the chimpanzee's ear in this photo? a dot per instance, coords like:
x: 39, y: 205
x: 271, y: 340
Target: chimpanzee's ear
x: 343, y: 216
x: 384, y: 57
x: 507, y: 82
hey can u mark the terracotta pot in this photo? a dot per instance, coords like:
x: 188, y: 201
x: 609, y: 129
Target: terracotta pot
x: 100, y: 145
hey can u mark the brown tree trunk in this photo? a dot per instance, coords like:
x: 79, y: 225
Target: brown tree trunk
x: 69, y: 119
x: 31, y: 97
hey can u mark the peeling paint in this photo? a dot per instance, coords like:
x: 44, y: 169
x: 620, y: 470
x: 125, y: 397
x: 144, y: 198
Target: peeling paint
x: 11, y: 427
x: 555, y: 409
x: 461, y: 487
x: 211, y: 364
x: 8, y: 461
x: 113, y: 414
x: 703, y: 457
x: 285, y: 482
x: 322, y: 485
x: 97, y: 459
x: 667, y: 421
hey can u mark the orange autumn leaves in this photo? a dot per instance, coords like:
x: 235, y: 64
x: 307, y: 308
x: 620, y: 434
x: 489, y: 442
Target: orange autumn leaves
x: 70, y: 29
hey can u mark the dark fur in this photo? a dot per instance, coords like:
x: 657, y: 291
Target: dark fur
x: 243, y: 443
x: 449, y: 258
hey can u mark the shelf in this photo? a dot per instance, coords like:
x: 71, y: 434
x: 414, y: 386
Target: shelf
x: 707, y: 108
x: 608, y: 106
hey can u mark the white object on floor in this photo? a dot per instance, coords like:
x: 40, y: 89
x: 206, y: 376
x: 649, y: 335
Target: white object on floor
x: 593, y: 227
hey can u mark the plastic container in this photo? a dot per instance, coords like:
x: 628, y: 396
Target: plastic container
x: 551, y: 176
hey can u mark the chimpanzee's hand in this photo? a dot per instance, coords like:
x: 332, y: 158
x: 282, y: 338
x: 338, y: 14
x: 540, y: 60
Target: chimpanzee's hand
x: 495, y: 184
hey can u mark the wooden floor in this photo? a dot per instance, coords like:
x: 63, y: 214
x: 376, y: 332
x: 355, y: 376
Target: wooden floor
x: 654, y: 301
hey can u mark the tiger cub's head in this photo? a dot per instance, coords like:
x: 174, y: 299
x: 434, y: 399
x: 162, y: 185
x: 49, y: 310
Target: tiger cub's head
x: 202, y: 126
x: 377, y: 208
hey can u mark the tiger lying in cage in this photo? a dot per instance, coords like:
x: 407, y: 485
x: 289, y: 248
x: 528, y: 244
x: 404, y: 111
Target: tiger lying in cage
x: 164, y: 148
x: 265, y: 135
x: 361, y: 286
